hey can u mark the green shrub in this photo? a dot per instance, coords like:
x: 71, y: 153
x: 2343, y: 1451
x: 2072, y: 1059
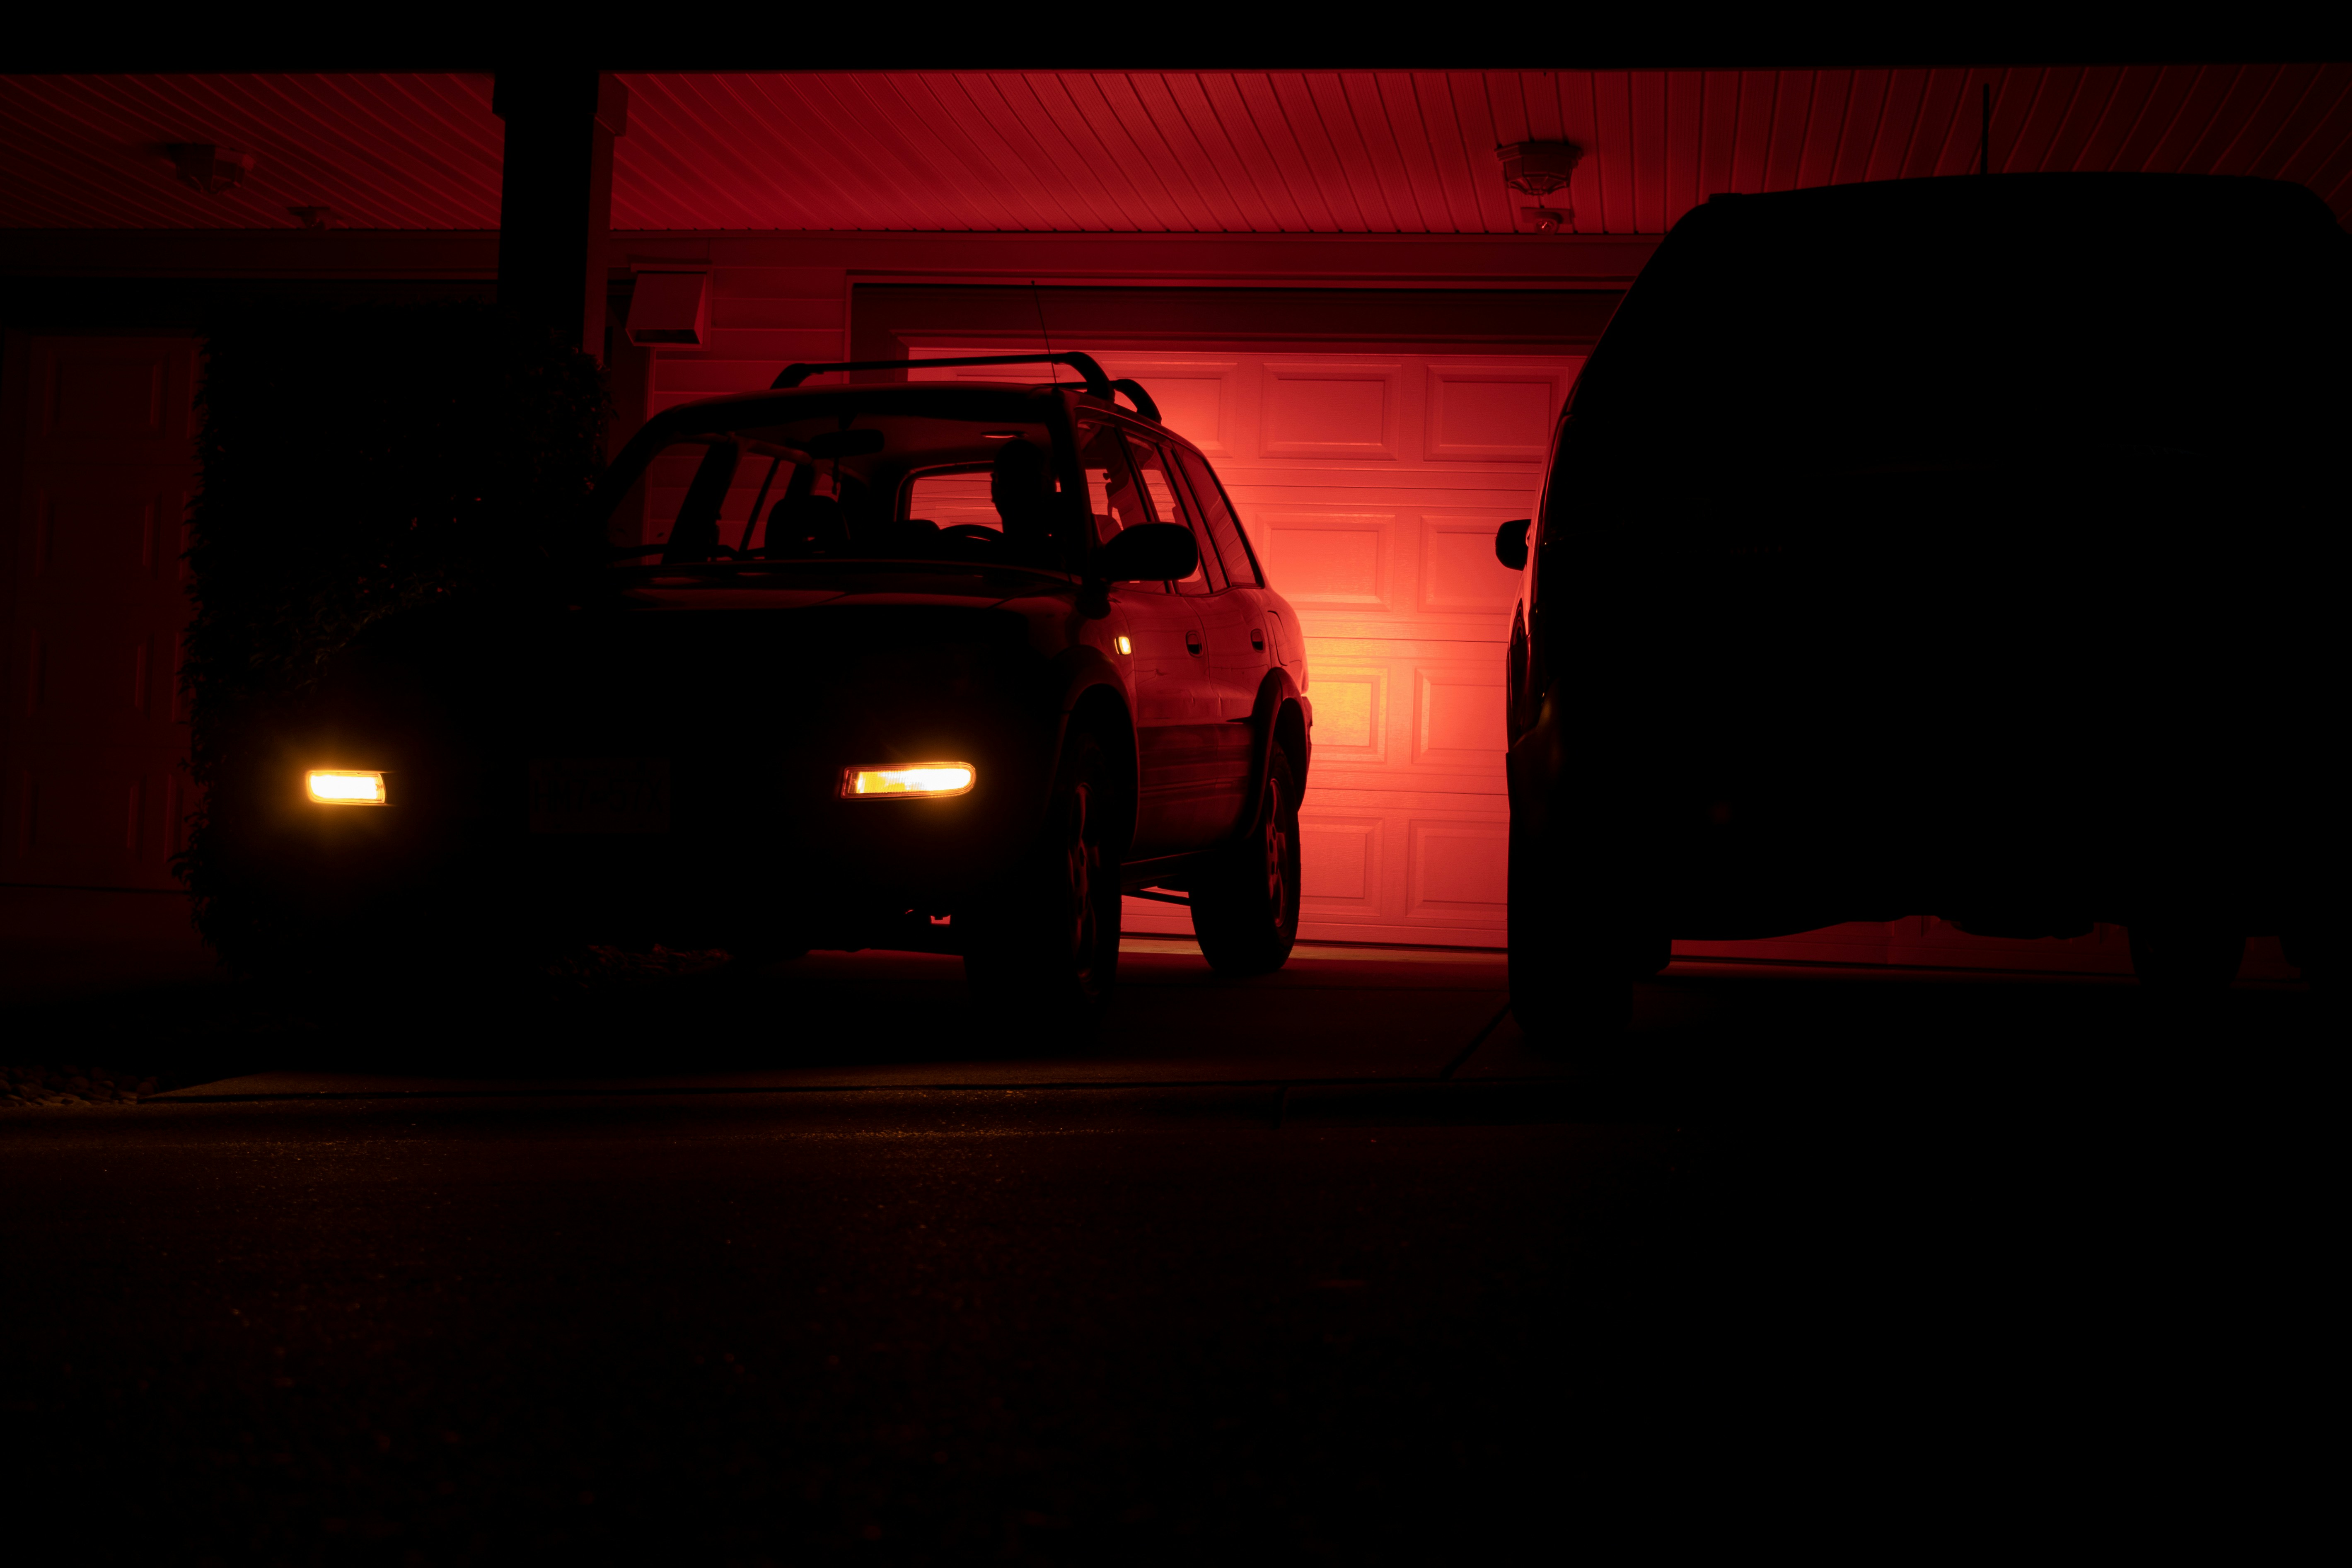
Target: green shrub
x: 355, y: 462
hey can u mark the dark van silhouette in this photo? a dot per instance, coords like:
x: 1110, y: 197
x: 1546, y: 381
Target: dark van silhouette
x: 1963, y: 547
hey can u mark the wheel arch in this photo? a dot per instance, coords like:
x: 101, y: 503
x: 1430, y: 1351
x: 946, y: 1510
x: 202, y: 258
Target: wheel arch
x: 1098, y: 706
x: 1278, y: 718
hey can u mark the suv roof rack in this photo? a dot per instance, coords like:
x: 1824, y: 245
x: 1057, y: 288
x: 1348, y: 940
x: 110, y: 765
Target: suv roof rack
x: 1097, y: 385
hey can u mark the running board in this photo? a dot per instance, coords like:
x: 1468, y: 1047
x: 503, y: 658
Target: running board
x: 1158, y: 897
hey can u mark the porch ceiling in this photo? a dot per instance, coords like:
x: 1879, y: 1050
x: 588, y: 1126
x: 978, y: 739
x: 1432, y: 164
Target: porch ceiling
x: 1181, y: 151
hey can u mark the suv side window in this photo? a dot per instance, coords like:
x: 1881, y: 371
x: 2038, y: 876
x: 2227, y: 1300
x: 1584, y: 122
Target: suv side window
x: 1166, y: 488
x: 1113, y: 493
x: 1217, y: 512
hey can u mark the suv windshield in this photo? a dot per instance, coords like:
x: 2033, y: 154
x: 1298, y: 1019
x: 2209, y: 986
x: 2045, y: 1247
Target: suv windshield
x: 835, y: 479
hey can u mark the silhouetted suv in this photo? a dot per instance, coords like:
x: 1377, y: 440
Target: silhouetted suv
x: 1965, y: 547
x: 936, y: 665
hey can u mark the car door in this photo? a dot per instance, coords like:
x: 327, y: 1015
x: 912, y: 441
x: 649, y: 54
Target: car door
x: 1234, y: 636
x: 1164, y: 665
x: 1269, y: 633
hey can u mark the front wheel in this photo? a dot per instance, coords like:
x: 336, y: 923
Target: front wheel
x: 1048, y: 934
x: 1246, y: 906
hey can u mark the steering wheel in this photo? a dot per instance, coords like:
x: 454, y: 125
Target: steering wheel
x: 972, y: 531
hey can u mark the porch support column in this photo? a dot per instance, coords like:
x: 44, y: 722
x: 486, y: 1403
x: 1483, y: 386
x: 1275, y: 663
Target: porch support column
x: 555, y: 206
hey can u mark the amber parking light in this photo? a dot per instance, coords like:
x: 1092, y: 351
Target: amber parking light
x: 344, y: 787
x: 906, y: 781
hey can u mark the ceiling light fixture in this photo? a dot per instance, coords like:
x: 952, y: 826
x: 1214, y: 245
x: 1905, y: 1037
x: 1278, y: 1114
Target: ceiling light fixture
x: 1537, y: 169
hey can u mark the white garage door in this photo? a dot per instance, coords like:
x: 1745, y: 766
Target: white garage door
x: 1372, y: 485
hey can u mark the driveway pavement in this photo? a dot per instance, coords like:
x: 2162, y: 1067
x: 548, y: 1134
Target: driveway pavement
x: 905, y: 1020
x: 819, y: 1264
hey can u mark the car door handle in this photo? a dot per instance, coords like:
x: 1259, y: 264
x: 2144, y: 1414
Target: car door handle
x: 1191, y: 642
x: 1258, y: 638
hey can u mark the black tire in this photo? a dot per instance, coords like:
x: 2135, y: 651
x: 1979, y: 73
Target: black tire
x: 1246, y: 904
x: 1572, y: 979
x: 2185, y: 957
x: 1048, y: 934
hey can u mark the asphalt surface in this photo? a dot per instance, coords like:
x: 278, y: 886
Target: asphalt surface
x: 821, y: 1264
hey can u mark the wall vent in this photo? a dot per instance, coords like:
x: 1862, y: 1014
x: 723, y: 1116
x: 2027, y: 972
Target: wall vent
x: 670, y: 310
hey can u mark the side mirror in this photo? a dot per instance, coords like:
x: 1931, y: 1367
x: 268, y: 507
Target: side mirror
x: 1511, y: 544
x: 1149, y: 553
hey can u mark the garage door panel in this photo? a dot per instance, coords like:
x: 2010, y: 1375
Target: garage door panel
x: 1198, y: 399
x: 1458, y: 716
x: 1201, y: 398
x: 1351, y: 715
x: 1339, y: 408
x: 1336, y: 560
x: 1450, y: 730
x: 1402, y: 933
x: 1429, y: 801
x: 1456, y: 870
x: 1340, y: 864
x: 1365, y: 485
x: 1459, y: 573
x: 1485, y: 784
x: 1493, y: 412
x: 1381, y: 573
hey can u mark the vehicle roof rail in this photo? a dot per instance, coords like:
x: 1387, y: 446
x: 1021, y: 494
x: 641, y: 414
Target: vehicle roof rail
x: 1137, y: 396
x: 1097, y: 385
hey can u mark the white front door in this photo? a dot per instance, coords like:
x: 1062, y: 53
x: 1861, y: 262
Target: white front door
x: 96, y: 788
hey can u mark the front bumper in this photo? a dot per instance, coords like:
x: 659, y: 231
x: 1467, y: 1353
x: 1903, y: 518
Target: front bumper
x: 752, y: 835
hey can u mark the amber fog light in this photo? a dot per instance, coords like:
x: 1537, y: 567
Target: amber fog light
x: 344, y: 787
x: 913, y: 781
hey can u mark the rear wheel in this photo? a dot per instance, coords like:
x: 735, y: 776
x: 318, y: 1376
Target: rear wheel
x: 1573, y: 962
x: 1246, y: 906
x: 1048, y: 934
